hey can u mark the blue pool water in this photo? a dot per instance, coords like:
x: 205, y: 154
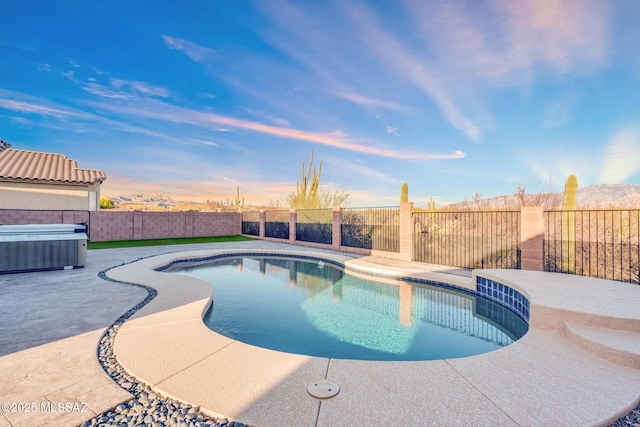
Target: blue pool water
x: 312, y: 308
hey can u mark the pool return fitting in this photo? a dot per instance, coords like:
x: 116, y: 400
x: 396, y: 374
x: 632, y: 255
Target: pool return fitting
x: 323, y: 389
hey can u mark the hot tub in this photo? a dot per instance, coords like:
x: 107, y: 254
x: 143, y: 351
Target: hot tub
x: 34, y: 247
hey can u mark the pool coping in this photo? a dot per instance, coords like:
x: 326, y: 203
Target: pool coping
x: 541, y: 379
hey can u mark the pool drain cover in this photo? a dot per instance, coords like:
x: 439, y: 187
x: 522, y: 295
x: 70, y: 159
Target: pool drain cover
x: 323, y: 389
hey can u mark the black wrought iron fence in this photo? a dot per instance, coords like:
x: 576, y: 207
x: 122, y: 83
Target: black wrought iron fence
x: 315, y: 225
x: 371, y: 228
x: 602, y: 243
x: 251, y: 223
x: 468, y: 239
x: 277, y: 224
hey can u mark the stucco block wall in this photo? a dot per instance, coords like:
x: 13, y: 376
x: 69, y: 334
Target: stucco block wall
x: 136, y: 225
x: 111, y: 225
x: 108, y: 225
x: 216, y: 224
x: 19, y: 217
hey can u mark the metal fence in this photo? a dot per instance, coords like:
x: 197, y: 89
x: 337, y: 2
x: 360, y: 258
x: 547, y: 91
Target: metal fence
x: 596, y: 243
x: 251, y: 223
x: 315, y: 225
x: 467, y: 239
x: 277, y: 224
x: 371, y: 228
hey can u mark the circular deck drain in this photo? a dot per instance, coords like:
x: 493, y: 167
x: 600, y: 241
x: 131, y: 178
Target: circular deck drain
x: 323, y: 389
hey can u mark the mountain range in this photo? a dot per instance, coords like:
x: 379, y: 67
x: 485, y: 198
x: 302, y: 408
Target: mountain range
x: 593, y: 197
x: 600, y: 196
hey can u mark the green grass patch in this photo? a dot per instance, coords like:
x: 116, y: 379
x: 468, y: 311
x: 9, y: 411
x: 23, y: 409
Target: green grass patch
x: 163, y: 242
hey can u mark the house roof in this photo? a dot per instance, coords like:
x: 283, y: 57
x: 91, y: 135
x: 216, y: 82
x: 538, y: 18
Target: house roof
x: 34, y: 166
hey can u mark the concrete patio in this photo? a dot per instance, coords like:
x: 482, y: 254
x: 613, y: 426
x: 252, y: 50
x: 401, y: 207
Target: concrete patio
x: 578, y: 365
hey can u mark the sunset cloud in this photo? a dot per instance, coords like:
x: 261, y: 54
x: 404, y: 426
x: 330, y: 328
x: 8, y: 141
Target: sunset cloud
x: 371, y: 102
x: 338, y: 139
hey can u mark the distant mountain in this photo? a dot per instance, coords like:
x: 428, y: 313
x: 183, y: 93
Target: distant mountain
x: 592, y: 196
x: 141, y: 201
x: 608, y: 195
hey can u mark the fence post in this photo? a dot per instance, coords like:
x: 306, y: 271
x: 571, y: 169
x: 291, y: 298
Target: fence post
x: 238, y: 220
x: 532, y: 238
x: 138, y: 225
x: 263, y: 219
x: 336, y: 234
x: 406, y: 231
x: 293, y: 218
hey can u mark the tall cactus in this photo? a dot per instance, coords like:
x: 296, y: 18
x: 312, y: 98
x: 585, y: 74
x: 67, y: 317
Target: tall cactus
x: 238, y: 203
x: 306, y: 195
x: 404, y: 193
x: 570, y: 193
x: 569, y: 224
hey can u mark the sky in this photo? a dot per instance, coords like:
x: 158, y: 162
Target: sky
x: 195, y: 98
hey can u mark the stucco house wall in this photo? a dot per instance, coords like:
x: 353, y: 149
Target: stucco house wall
x: 25, y: 195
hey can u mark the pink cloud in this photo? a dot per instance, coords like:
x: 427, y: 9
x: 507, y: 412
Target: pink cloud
x: 162, y: 111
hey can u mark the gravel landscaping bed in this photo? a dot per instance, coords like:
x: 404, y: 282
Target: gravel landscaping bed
x: 147, y: 407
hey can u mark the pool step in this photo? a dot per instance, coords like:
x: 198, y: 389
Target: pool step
x: 620, y: 347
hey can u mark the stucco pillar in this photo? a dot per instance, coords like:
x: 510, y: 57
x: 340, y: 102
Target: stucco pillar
x: 263, y: 219
x: 336, y: 233
x: 406, y: 231
x: 293, y: 218
x: 138, y: 225
x: 532, y: 238
x: 189, y: 219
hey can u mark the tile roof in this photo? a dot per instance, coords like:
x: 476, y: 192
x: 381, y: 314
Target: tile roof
x: 34, y: 166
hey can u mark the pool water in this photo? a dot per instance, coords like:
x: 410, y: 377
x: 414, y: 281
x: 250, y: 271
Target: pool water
x: 317, y: 309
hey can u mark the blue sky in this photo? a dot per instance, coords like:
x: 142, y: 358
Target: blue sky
x: 455, y: 98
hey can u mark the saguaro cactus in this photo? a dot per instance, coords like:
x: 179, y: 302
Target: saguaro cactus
x: 404, y: 193
x: 307, y: 190
x: 238, y: 203
x: 569, y: 224
x: 570, y: 193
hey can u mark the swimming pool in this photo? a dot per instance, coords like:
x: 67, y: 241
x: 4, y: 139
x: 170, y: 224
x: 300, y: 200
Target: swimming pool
x: 314, y: 307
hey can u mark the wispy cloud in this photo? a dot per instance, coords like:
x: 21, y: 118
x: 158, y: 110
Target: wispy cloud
x: 192, y: 50
x: 22, y: 103
x: 410, y: 65
x: 141, y: 87
x: 153, y: 109
x: 556, y: 115
x: 279, y: 121
x: 621, y: 159
x: 508, y: 42
x: 372, y: 102
x: 123, y: 89
x: 564, y: 35
x: 205, y: 142
x: 371, y: 173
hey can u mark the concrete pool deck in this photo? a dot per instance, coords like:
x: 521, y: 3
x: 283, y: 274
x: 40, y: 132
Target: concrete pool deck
x: 579, y: 364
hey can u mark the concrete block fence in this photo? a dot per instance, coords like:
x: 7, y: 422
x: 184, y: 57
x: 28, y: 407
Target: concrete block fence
x: 107, y: 225
x: 531, y: 236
